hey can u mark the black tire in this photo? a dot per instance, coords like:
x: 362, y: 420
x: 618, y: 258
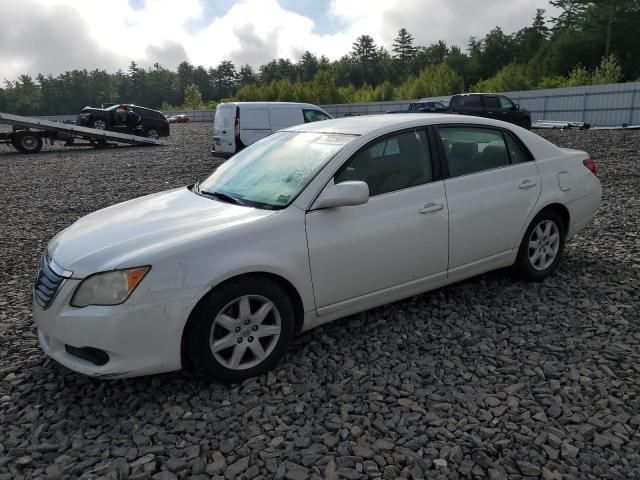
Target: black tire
x: 98, y: 124
x: 152, y: 133
x: 524, y: 265
x: 196, y: 343
x: 27, y: 142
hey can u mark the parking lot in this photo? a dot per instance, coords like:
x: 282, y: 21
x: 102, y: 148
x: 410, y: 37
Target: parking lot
x: 489, y: 378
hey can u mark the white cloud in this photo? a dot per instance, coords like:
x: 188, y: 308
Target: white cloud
x: 252, y: 31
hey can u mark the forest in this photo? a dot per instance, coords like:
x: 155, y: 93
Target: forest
x: 588, y: 42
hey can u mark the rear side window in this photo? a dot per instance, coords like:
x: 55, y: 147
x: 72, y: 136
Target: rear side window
x: 314, y: 116
x: 491, y: 102
x: 470, y: 150
x: 467, y: 101
x: 515, y: 151
x: 393, y: 163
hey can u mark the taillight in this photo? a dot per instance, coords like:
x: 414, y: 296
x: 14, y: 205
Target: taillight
x: 237, y: 124
x: 591, y: 165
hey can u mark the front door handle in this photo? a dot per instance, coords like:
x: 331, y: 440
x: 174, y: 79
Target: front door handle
x: 431, y: 208
x: 526, y: 184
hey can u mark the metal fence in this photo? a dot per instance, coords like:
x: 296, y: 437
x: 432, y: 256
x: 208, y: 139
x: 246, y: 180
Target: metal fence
x: 610, y: 105
x: 599, y: 105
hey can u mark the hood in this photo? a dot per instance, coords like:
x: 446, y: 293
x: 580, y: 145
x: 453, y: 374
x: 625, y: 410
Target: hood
x: 127, y: 232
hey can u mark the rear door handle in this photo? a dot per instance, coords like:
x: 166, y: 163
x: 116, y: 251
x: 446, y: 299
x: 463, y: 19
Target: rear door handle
x: 431, y: 208
x: 526, y: 184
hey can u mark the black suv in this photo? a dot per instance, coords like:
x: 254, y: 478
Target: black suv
x: 490, y: 105
x: 125, y: 118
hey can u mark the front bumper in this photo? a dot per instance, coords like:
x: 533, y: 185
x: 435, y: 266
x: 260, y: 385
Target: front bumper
x: 141, y: 336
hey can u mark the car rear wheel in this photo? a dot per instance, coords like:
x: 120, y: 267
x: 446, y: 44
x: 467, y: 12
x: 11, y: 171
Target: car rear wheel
x: 27, y: 142
x: 240, y: 330
x: 99, y: 124
x: 541, y: 247
x: 153, y: 133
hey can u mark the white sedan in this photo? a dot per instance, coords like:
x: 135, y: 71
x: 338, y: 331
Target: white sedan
x: 310, y: 224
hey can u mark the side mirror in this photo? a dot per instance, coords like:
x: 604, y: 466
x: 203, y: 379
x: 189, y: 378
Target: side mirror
x: 516, y: 106
x: 343, y: 194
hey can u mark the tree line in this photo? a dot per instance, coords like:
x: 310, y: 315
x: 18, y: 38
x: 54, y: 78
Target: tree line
x: 589, y: 42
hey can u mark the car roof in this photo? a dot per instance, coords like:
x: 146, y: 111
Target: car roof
x: 284, y: 104
x: 378, y: 123
x: 494, y: 94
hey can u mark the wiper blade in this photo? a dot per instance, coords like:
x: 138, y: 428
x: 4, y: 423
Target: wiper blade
x: 223, y: 196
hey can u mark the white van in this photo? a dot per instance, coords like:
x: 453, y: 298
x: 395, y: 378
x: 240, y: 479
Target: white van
x: 239, y: 124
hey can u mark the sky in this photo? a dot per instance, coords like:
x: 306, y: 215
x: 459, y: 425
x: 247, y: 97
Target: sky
x: 53, y: 36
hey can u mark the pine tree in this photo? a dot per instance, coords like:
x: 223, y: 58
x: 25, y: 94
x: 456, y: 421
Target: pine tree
x: 539, y: 25
x: 307, y: 66
x: 246, y: 75
x: 364, y: 49
x: 571, y: 11
x: 365, y: 54
x: 403, y: 46
x: 224, y: 79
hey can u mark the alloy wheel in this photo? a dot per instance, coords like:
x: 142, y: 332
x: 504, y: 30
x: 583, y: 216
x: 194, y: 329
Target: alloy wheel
x: 544, y: 244
x: 245, y: 332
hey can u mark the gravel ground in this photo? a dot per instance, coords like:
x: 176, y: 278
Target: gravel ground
x: 492, y: 378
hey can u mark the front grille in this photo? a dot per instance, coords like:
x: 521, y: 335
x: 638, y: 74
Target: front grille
x: 47, y: 283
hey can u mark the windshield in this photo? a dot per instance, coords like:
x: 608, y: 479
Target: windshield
x: 272, y: 172
x: 112, y: 107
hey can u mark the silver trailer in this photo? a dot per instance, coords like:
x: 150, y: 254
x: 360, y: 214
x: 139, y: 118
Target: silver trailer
x: 29, y: 134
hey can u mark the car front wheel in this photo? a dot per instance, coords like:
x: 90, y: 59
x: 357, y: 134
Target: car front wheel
x: 541, y: 247
x: 240, y: 330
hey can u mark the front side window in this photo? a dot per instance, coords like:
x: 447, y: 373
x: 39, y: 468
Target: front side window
x: 394, y: 163
x: 491, y: 102
x: 505, y: 103
x: 469, y: 150
x: 314, y: 116
x: 273, y: 171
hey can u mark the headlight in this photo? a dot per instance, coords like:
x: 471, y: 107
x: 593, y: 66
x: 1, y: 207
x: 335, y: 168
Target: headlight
x: 108, y: 288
